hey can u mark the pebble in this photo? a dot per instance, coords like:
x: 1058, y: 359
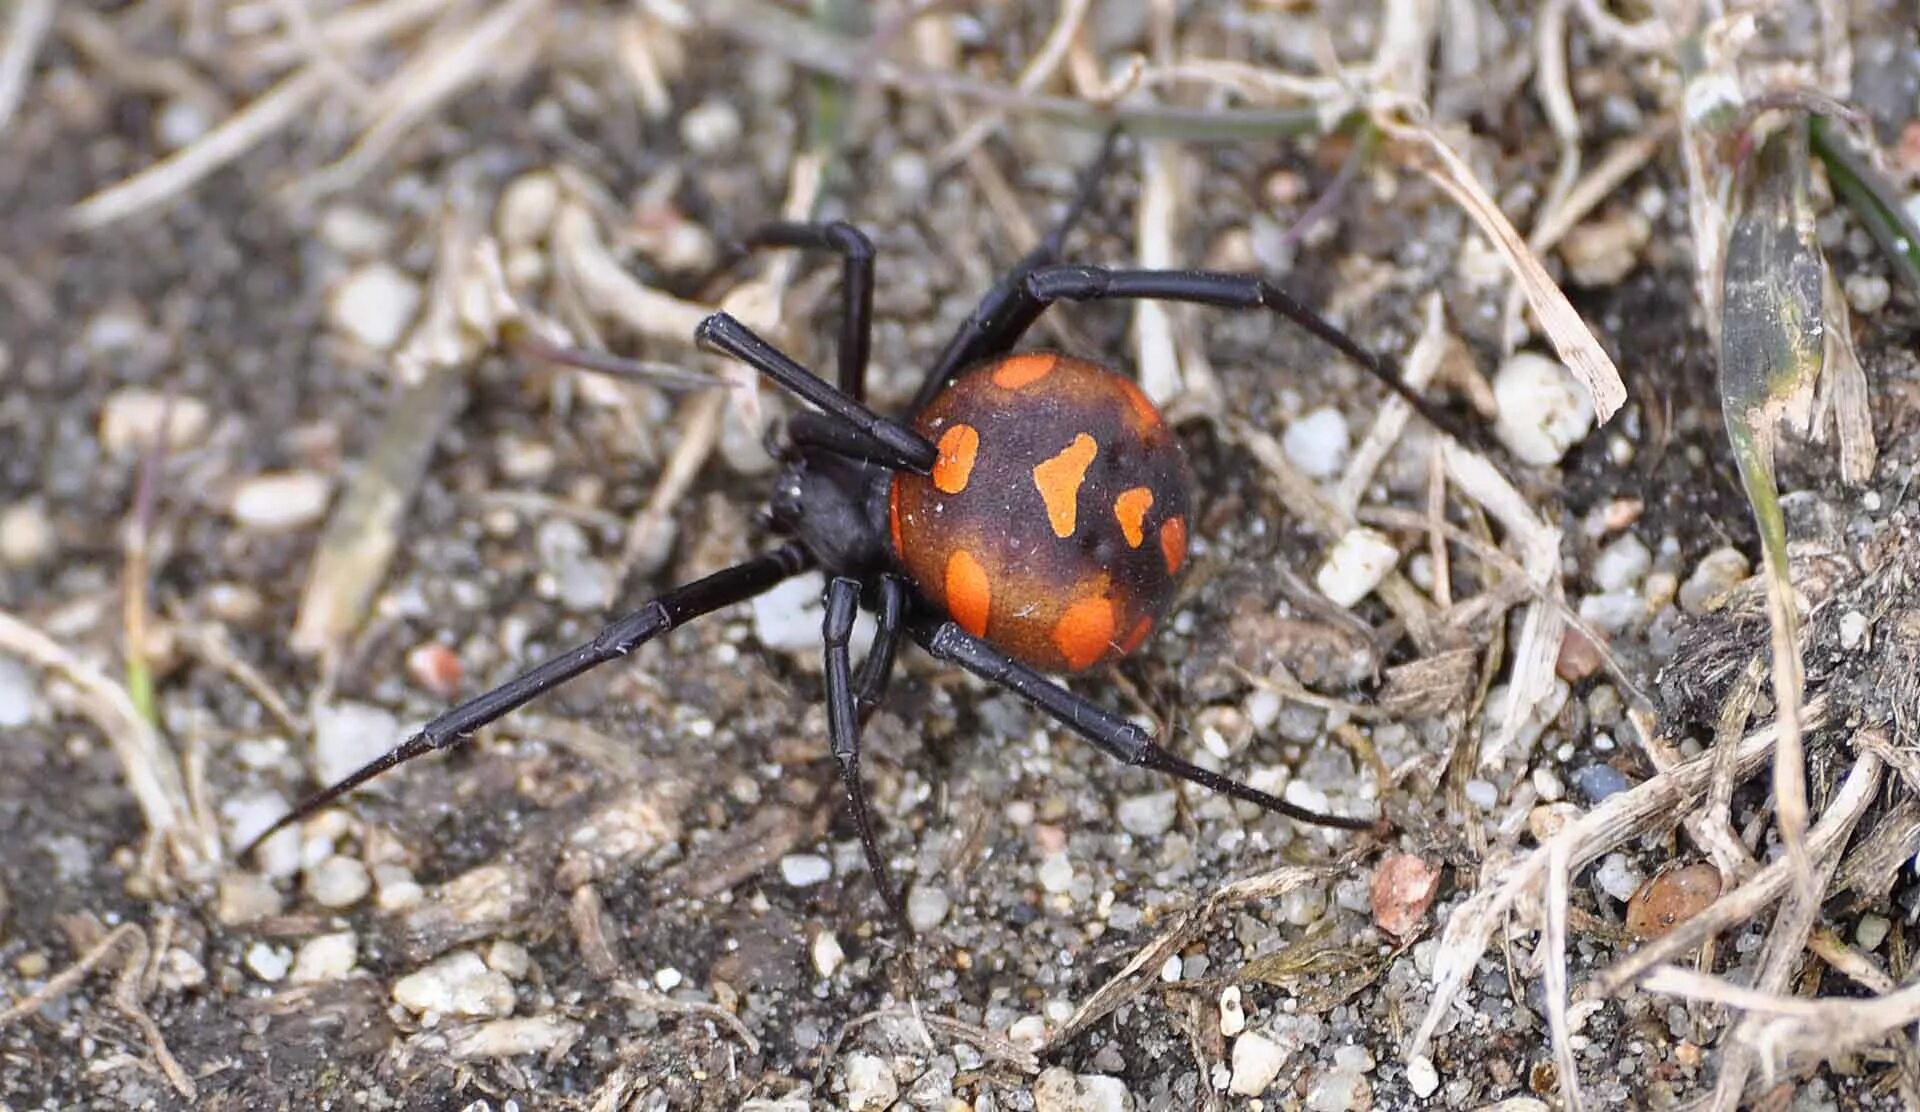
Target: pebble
x: 459, y: 984
x: 394, y: 888
x: 1599, y: 781
x: 827, y: 954
x: 374, y: 305
x: 1318, y: 442
x: 870, y: 1083
x: 1578, y: 658
x: 1622, y: 563
x: 247, y: 816
x: 1147, y: 816
x: 509, y: 957
x: 1339, y: 1091
x: 26, y: 535
x: 1871, y: 931
x: 1612, y: 611
x: 339, y: 882
x: 245, y: 898
x: 1853, y: 630
x: 1256, y: 1062
x: 269, y: 963
x: 527, y: 208
x: 1061, y: 1090
x: 1056, y: 873
x: 711, y: 127
x: 1403, y: 888
x: 348, y: 735
x: 436, y: 668
x: 327, y: 957
x: 1868, y: 293
x: 130, y: 420
x: 927, y: 906
x: 1602, y: 251
x: 1482, y: 794
x: 1029, y: 1031
x: 19, y: 693
x: 181, y: 970
x: 1422, y: 1078
x: 1353, y: 1059
x: 804, y: 870
x: 788, y: 618
x: 1356, y: 565
x: 581, y: 582
x: 1618, y: 877
x: 1543, y: 409
x: 280, y: 501
x: 1670, y: 898
x: 354, y: 232
x: 1233, y: 1017
x: 1717, y: 573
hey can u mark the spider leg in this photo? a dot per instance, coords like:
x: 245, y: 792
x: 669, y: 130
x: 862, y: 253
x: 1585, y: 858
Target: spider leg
x: 1002, y: 313
x: 856, y: 288
x: 894, y: 444
x: 843, y: 727
x: 877, y: 669
x: 1120, y: 738
x: 676, y: 607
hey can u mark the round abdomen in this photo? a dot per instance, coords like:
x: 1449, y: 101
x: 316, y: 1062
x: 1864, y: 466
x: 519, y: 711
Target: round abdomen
x: 1054, y: 523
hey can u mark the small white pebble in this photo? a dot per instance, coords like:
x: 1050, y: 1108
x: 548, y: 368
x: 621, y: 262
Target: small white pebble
x: 1867, y: 293
x: 26, y: 534
x: 1338, y: 1091
x: 1422, y: 1078
x: 339, y: 882
x: 326, y: 957
x: 1543, y: 409
x: 1233, y: 1018
x: 668, y: 979
x: 1147, y: 816
x: 1256, y: 1062
x: 355, y: 232
x: 1871, y: 931
x: 19, y: 694
x: 1355, y: 566
x: 269, y: 963
x: 1853, y: 630
x: 1622, y: 563
x: 927, y: 905
x: 1716, y: 574
x: 245, y: 898
x: 181, y: 970
x: 870, y: 1083
x: 1056, y: 872
x: 347, y: 736
x: 459, y: 984
x: 394, y: 888
x: 1028, y: 1030
x: 280, y: 501
x: 1482, y: 794
x: 509, y: 957
x: 374, y: 305
x: 827, y: 954
x: 1618, y: 877
x: 1318, y: 442
x: 131, y: 418
x: 527, y: 208
x: 1170, y: 970
x: 1354, y: 1059
x: 804, y: 870
x: 711, y: 127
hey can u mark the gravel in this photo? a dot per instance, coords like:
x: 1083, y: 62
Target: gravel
x: 1543, y: 410
x: 1257, y: 1060
x: 459, y: 984
x: 804, y: 870
x: 1318, y: 442
x: 327, y: 957
x: 19, y: 693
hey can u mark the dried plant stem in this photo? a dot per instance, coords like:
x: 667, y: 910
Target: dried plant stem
x: 26, y: 32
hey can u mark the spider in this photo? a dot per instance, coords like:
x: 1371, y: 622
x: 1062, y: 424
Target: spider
x: 1029, y: 516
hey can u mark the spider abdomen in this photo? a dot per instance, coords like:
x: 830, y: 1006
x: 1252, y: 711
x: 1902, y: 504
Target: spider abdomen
x: 1054, y: 522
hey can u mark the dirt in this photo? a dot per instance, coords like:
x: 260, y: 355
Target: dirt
x: 687, y: 967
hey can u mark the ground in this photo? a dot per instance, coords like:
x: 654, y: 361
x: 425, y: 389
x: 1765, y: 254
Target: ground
x: 642, y: 891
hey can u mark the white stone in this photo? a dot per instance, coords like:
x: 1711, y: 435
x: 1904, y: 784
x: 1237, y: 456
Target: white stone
x: 1338, y: 1091
x: 509, y: 957
x: 1482, y: 794
x: 26, y: 534
x: 804, y: 870
x: 927, y: 905
x: 375, y: 304
x: 1717, y: 573
x: 1543, y: 409
x: 347, y: 736
x: 667, y: 978
x: 1318, y: 442
x: 1422, y: 1078
x: 394, y: 888
x: 1353, y: 1059
x: 1871, y: 931
x: 1029, y: 1031
x: 130, y: 420
x: 827, y: 954
x: 711, y: 127
x: 269, y: 963
x: 1256, y: 1062
x: 1622, y: 564
x: 1060, y: 1090
x: 1148, y: 816
x: 1612, y: 611
x: 1867, y: 293
x: 280, y: 501
x: 459, y: 984
x: 354, y: 231
x: 1233, y: 1017
x: 527, y: 208
x: 1356, y: 565
x: 338, y: 882
x: 1853, y: 631
x: 327, y: 957
x: 1056, y: 872
x: 1618, y: 877
x: 19, y: 693
x: 245, y: 898
x: 249, y: 814
x: 870, y: 1083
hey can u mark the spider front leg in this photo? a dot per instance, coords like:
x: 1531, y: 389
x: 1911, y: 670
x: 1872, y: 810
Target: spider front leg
x: 843, y: 727
x: 676, y: 607
x: 856, y: 288
x: 1120, y: 738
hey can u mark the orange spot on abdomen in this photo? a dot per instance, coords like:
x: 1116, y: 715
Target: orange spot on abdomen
x: 1173, y: 543
x: 893, y: 518
x: 1085, y: 632
x: 1016, y: 371
x: 1131, y: 509
x: 1143, y: 406
x: 969, y: 594
x: 959, y: 447
x: 1136, y: 636
x: 1059, y: 482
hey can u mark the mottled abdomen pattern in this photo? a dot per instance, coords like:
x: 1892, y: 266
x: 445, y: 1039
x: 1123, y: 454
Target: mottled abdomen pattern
x: 1054, y: 523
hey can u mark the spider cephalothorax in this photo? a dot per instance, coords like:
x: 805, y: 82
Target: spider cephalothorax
x: 1031, y: 515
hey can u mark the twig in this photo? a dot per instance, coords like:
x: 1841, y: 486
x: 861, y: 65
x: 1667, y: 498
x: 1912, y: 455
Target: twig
x: 26, y: 33
x: 1039, y: 70
x: 713, y: 1013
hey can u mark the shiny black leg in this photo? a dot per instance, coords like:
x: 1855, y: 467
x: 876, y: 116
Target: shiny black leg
x: 1120, y: 738
x: 843, y: 728
x: 856, y: 288
x: 877, y: 670
x: 680, y: 605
